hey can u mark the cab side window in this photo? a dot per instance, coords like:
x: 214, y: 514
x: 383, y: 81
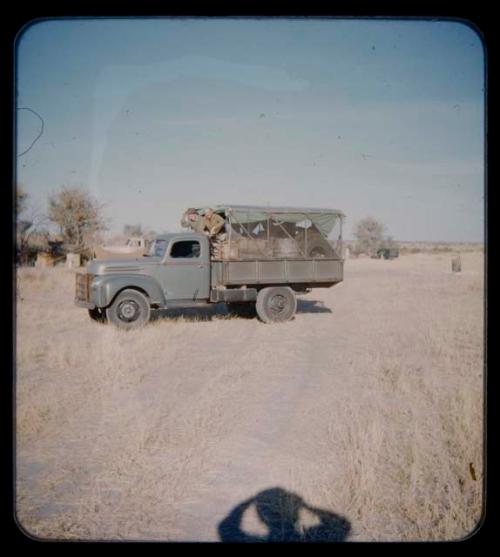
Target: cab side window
x: 185, y: 248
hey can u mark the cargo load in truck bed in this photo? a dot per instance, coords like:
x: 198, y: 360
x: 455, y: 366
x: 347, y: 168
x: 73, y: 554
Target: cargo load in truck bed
x: 260, y: 232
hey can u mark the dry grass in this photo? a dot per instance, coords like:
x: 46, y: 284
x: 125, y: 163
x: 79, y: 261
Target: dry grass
x: 368, y: 404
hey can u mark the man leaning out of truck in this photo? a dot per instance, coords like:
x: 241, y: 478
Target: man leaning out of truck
x: 214, y: 223
x: 215, y: 228
x: 192, y: 219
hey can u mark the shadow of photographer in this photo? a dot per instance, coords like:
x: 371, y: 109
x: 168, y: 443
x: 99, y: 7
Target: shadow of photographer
x: 279, y: 512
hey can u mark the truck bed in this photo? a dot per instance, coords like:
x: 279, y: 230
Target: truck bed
x: 313, y: 272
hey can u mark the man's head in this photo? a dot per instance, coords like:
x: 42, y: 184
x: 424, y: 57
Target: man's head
x: 209, y: 212
x: 192, y: 214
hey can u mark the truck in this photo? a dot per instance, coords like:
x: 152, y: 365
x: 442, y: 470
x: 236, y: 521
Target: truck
x: 266, y: 256
x: 388, y: 253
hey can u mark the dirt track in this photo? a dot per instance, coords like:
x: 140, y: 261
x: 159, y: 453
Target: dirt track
x: 367, y: 406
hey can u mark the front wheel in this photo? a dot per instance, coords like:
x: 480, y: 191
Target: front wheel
x: 276, y: 304
x: 130, y: 309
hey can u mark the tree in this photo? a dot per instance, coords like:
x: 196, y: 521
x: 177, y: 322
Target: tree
x: 132, y: 230
x: 21, y: 199
x: 369, y: 235
x: 79, y: 218
x: 149, y: 234
x: 31, y: 237
x: 388, y: 242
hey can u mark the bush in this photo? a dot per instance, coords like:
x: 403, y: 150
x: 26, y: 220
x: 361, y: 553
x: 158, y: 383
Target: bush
x: 369, y: 235
x: 79, y: 218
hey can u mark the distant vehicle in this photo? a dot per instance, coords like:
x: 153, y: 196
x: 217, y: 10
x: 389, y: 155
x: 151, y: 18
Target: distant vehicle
x: 388, y: 253
x: 269, y: 255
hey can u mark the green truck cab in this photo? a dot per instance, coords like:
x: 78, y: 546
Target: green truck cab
x: 268, y: 256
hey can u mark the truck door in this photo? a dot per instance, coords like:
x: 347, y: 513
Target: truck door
x: 186, y: 273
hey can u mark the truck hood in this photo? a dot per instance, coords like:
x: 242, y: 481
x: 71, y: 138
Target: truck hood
x: 107, y: 266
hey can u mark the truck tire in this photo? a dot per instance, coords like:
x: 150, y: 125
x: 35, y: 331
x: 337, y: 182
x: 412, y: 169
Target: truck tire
x: 276, y: 304
x: 130, y: 309
x: 242, y: 309
x: 98, y: 314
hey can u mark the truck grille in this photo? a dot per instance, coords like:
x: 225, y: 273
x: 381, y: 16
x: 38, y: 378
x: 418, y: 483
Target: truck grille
x: 82, y: 291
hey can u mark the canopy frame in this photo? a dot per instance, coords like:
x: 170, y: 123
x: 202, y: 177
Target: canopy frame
x: 321, y: 222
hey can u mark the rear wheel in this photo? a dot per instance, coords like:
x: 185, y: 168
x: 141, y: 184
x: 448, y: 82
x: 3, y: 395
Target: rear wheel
x: 276, y: 304
x: 130, y: 309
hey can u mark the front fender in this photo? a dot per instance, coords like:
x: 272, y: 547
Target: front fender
x: 104, y: 288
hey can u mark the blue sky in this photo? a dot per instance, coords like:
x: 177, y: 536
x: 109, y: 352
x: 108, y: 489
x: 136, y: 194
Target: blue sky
x: 374, y: 117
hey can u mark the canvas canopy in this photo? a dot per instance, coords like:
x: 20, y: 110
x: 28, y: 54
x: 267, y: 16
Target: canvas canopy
x: 323, y: 219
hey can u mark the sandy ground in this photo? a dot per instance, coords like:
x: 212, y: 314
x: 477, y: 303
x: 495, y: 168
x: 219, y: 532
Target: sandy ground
x: 361, y: 419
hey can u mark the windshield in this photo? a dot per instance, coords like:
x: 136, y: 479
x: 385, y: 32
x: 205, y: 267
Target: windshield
x: 158, y: 248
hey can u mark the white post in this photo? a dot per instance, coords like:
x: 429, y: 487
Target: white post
x: 72, y: 260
